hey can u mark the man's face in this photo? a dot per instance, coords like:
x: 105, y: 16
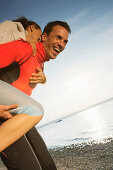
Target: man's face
x: 55, y: 42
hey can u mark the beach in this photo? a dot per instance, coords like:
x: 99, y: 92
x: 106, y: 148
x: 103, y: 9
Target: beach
x: 84, y: 157
x: 83, y: 140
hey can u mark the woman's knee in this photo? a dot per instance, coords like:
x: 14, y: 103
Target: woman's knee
x: 29, y: 110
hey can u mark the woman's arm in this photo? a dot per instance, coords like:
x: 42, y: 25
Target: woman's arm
x: 29, y: 113
x: 13, y: 52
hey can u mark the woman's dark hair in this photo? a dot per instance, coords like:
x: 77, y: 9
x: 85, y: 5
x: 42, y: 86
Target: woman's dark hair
x: 48, y: 28
x: 26, y: 23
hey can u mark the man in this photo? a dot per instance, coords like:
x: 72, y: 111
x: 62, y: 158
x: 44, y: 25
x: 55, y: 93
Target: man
x: 19, y: 155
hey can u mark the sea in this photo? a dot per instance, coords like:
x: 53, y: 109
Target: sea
x: 92, y: 124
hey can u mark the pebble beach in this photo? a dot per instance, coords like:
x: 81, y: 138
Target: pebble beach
x: 89, y: 156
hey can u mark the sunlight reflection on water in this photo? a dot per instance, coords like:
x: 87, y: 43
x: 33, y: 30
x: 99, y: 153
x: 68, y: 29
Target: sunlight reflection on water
x: 94, y: 124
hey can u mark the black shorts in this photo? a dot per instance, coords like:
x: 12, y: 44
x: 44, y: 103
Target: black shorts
x: 28, y: 153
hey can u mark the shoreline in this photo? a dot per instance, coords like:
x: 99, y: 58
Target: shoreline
x: 91, y: 156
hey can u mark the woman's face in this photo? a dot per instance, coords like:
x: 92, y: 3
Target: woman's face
x: 34, y: 34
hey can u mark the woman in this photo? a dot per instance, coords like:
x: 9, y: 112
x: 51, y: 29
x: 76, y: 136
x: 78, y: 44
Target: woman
x: 29, y: 111
x: 18, y: 29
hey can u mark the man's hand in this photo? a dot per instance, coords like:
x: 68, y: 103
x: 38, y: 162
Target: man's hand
x: 38, y: 77
x: 4, y: 111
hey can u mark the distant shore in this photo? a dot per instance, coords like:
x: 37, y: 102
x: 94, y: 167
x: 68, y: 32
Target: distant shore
x: 84, y: 157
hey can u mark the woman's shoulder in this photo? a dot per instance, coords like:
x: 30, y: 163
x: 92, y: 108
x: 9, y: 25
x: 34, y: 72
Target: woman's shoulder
x: 7, y: 26
x: 7, y: 22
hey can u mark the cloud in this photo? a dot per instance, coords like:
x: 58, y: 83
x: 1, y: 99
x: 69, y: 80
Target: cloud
x: 76, y: 18
x: 93, y: 27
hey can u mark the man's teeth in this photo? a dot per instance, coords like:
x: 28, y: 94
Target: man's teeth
x: 56, y: 49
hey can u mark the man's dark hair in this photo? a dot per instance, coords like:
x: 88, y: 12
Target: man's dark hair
x: 48, y: 28
x: 26, y: 23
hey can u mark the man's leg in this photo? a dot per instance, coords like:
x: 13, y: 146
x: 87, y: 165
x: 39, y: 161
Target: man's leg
x: 20, y: 156
x: 40, y: 149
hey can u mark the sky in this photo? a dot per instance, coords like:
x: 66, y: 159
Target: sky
x: 82, y: 75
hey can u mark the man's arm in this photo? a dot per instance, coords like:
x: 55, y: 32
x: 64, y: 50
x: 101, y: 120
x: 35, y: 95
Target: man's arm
x: 4, y: 111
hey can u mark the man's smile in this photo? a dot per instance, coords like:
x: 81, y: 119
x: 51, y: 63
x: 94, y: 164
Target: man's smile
x: 56, y: 50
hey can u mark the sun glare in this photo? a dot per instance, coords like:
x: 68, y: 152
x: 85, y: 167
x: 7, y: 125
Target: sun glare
x: 78, y: 83
x: 95, y: 121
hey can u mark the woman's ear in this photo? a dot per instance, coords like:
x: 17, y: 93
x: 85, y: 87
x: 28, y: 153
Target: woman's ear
x: 44, y: 36
x: 31, y: 27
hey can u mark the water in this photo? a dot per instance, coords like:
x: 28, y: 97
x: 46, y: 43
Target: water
x: 93, y: 124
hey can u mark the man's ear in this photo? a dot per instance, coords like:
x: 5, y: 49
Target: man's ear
x: 44, y: 36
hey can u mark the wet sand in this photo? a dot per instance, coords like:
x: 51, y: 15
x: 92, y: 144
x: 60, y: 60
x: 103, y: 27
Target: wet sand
x: 82, y: 157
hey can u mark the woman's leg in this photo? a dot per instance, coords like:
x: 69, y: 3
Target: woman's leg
x: 14, y: 128
x: 15, y: 154
x: 10, y: 95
